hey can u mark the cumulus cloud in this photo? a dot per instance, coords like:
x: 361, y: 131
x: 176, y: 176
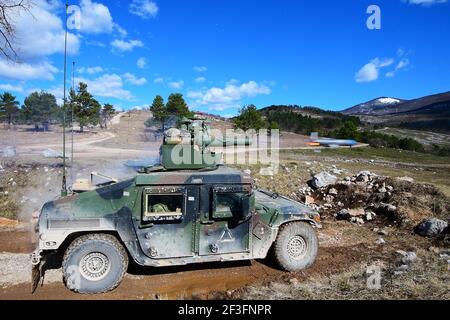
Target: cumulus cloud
x: 95, y: 18
x: 123, y: 45
x: 26, y: 71
x: 425, y: 2
x: 200, y: 68
x: 141, y: 63
x: 131, y: 78
x: 159, y: 80
x: 371, y: 71
x: 144, y: 8
x: 40, y: 33
x: 107, y: 86
x: 200, y: 79
x: 220, y: 99
x: 91, y: 70
x: 11, y: 88
x: 176, y: 84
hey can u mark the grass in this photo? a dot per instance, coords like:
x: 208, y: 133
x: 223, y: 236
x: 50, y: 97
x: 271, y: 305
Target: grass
x: 386, y: 154
x: 427, y: 278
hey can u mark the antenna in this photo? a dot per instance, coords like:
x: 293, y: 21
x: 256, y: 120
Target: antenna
x: 73, y: 127
x: 64, y: 179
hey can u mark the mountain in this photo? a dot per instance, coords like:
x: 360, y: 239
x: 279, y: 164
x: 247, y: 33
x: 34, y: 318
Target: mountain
x: 430, y: 112
x: 375, y: 106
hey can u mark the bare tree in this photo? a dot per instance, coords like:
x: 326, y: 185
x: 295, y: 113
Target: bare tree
x: 9, y: 9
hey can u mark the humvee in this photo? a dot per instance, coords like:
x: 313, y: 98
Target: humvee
x: 170, y: 217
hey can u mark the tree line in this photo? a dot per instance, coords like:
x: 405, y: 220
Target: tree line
x: 176, y: 106
x: 41, y: 109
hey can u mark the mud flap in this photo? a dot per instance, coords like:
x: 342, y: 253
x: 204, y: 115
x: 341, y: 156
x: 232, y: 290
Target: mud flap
x: 37, y: 276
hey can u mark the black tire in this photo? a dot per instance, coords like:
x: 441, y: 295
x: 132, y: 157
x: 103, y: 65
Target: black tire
x: 296, y: 246
x: 94, y: 263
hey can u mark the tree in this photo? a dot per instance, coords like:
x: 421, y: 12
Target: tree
x: 40, y: 108
x: 9, y: 107
x: 9, y: 10
x: 347, y: 131
x: 86, y: 108
x: 106, y: 114
x: 159, y: 110
x: 249, y: 118
x: 177, y: 106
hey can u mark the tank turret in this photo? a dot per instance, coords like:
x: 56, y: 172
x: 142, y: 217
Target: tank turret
x: 189, y: 148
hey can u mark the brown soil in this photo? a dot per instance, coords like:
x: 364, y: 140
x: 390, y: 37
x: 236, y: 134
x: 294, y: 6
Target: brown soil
x: 16, y: 242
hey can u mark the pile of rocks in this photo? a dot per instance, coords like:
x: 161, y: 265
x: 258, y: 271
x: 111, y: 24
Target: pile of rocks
x: 358, y: 198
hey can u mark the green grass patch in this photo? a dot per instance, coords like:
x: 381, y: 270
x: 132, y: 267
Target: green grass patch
x: 376, y: 154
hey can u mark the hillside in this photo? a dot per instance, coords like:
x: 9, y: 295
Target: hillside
x: 430, y: 112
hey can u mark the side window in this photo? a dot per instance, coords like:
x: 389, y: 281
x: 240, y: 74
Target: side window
x: 228, y: 205
x: 164, y: 204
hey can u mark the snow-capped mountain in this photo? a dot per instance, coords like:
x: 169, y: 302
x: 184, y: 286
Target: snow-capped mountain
x: 375, y: 106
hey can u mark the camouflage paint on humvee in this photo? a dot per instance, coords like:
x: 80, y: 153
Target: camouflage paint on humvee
x: 195, y: 236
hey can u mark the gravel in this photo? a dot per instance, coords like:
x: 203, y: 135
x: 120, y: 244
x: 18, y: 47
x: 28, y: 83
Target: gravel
x: 16, y: 269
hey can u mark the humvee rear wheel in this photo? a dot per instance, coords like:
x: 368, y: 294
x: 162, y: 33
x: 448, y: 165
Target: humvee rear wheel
x: 296, y: 246
x: 94, y: 263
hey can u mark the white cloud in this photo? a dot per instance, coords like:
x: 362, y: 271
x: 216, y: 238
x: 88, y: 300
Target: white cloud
x: 176, y: 84
x: 11, y: 88
x: 200, y: 79
x: 220, y: 99
x: 107, y: 86
x: 141, y: 63
x: 159, y: 80
x: 131, y: 78
x: 95, y: 18
x: 91, y: 70
x: 144, y: 8
x: 425, y: 2
x: 200, y: 68
x: 123, y: 45
x: 40, y: 33
x: 404, y: 63
x: 26, y: 71
x: 371, y: 71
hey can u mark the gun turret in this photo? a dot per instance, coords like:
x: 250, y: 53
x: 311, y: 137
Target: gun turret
x: 188, y: 148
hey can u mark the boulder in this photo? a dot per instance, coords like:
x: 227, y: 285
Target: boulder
x: 431, y: 227
x: 323, y: 179
x: 358, y: 212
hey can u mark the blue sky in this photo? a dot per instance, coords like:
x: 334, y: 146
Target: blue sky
x: 225, y: 54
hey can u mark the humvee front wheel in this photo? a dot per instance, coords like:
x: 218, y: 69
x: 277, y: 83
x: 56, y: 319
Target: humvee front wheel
x: 94, y: 263
x: 296, y: 246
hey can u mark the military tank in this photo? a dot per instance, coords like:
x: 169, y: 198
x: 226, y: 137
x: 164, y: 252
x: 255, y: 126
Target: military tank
x: 189, y: 209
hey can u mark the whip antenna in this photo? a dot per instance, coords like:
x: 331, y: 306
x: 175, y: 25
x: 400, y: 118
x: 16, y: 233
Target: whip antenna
x: 64, y: 179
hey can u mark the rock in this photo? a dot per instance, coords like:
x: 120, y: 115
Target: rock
x: 380, y: 241
x: 309, y: 200
x: 431, y: 227
x: 359, y: 212
x: 403, y: 268
x: 409, y: 258
x: 248, y: 171
x: 294, y: 282
x: 323, y: 179
x: 387, y: 208
x: 357, y: 220
x: 1, y: 168
x: 382, y: 190
x: 9, y: 152
x: 343, y: 215
x: 337, y: 171
x: 267, y: 171
x: 406, y: 179
x: 370, y: 215
x: 383, y: 233
x: 333, y: 192
x: 8, y: 223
